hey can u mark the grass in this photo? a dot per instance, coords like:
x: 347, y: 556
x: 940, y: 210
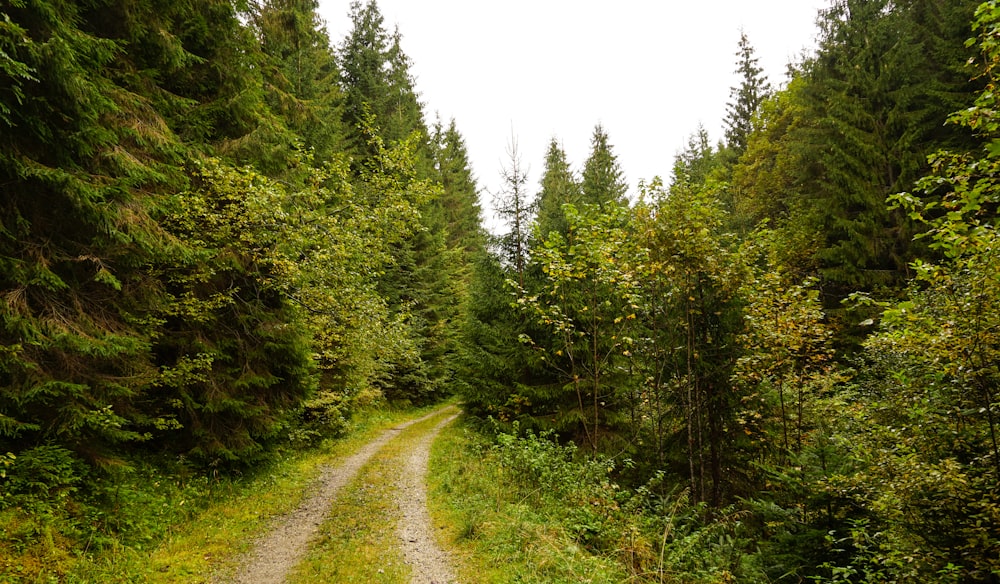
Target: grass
x: 358, y: 542
x: 221, y: 520
x: 504, y: 535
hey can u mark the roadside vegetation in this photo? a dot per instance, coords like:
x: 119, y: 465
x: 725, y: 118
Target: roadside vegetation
x: 166, y: 528
x: 519, y: 507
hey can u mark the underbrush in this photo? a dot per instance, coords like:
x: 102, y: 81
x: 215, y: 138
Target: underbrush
x: 524, y: 508
x: 150, y: 519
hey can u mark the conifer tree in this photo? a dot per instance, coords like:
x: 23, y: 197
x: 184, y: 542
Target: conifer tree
x: 516, y: 208
x: 376, y: 79
x: 301, y: 76
x: 603, y: 181
x: 460, y: 197
x: 696, y: 162
x: 559, y: 187
x: 875, y: 93
x: 745, y: 100
x: 381, y: 103
x: 84, y: 160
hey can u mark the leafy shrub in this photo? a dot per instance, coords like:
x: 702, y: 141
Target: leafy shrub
x: 538, y: 463
x: 328, y: 413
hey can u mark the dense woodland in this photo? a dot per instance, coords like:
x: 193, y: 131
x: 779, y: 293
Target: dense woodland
x: 222, y: 233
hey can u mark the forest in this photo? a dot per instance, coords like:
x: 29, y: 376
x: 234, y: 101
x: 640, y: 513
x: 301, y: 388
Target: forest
x: 224, y: 235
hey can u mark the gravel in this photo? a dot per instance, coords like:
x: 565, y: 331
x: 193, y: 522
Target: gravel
x: 275, y: 553
x: 429, y: 563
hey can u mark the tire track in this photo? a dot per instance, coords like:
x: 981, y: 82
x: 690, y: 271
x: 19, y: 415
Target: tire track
x: 281, y: 548
x: 430, y: 564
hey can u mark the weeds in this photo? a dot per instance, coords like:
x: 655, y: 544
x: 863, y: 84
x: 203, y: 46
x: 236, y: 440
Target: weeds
x: 546, y: 513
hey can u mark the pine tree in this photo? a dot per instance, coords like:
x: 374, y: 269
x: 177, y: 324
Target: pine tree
x: 376, y: 79
x: 559, y: 187
x: 233, y: 354
x: 745, y: 100
x: 381, y: 105
x: 603, y: 181
x: 301, y: 76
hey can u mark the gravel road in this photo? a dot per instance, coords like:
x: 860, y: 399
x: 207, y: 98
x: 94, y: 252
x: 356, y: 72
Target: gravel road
x: 275, y: 553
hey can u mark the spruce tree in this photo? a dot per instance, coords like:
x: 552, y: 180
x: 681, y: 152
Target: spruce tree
x: 301, y: 77
x: 515, y: 207
x: 376, y: 80
x: 745, y: 100
x: 697, y: 161
x: 559, y: 186
x: 875, y: 93
x: 603, y: 181
x: 84, y: 160
x: 460, y: 196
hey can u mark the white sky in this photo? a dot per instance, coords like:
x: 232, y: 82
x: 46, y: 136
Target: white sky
x: 648, y: 70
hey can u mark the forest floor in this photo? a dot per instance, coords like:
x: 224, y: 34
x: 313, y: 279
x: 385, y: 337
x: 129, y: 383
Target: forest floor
x: 276, y: 553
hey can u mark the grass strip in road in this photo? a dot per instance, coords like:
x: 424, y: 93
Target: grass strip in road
x: 359, y: 543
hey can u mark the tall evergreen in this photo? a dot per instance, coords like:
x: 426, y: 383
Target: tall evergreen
x: 697, y: 161
x: 377, y: 82
x: 746, y: 99
x: 877, y: 93
x: 301, y: 77
x: 559, y: 186
x: 516, y: 208
x: 460, y: 195
x: 83, y: 160
x: 603, y: 181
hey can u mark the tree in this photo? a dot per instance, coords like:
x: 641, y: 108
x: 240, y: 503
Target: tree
x: 514, y: 206
x: 85, y: 159
x: 460, y: 198
x: 376, y: 80
x: 690, y: 318
x: 933, y: 429
x: 559, y: 187
x: 603, y: 181
x: 877, y: 96
x: 745, y: 100
x: 588, y: 300
x: 301, y: 77
x: 234, y: 360
x: 695, y: 164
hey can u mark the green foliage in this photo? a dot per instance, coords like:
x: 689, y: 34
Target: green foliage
x: 460, y: 197
x: 741, y: 112
x: 602, y: 181
x: 376, y: 79
x: 588, y: 299
x: 41, y: 479
x: 691, y: 316
x: 854, y: 125
x: 79, y: 178
x: 554, y: 516
x: 301, y: 75
x: 786, y: 353
x: 559, y: 186
x: 924, y: 441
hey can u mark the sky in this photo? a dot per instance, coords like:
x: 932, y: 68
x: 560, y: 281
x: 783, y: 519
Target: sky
x: 648, y: 71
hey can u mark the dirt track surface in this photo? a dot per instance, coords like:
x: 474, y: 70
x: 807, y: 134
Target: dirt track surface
x: 280, y: 549
x: 429, y: 563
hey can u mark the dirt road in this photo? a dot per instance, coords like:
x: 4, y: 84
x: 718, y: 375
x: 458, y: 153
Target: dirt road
x: 284, y: 545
